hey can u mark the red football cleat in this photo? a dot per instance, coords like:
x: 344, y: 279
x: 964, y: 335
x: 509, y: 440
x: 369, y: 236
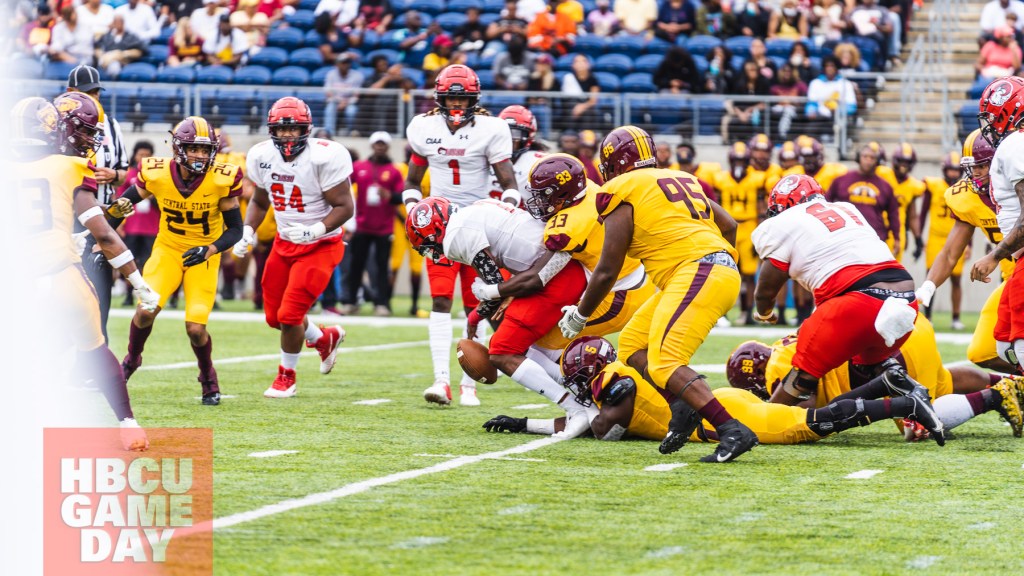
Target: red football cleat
x: 284, y: 384
x: 327, y: 347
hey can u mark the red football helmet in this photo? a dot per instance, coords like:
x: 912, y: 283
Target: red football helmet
x: 555, y: 182
x: 623, y: 149
x: 425, y: 226
x: 1001, y: 109
x: 194, y: 132
x: 457, y: 80
x: 977, y: 152
x: 583, y: 359
x: 812, y: 154
x: 34, y: 127
x: 290, y: 111
x: 80, y: 128
x: 522, y: 124
x: 760, y: 151
x: 792, y: 190
x: 746, y: 367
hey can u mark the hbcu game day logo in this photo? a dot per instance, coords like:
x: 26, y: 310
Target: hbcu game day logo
x: 110, y: 512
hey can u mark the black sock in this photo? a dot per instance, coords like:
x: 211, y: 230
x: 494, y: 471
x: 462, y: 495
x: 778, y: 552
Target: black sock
x: 873, y: 390
x: 845, y: 414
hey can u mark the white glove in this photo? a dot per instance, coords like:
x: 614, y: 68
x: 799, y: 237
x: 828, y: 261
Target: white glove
x: 133, y: 437
x: 894, y: 320
x: 572, y: 322
x: 770, y: 318
x: 248, y: 240
x: 80, y: 241
x: 925, y: 292
x: 148, y: 298
x: 302, y: 234
x: 484, y: 291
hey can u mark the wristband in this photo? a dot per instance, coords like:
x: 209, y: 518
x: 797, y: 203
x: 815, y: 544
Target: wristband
x: 135, y: 279
x: 122, y: 259
x: 512, y: 196
x: 411, y: 195
x: 89, y: 214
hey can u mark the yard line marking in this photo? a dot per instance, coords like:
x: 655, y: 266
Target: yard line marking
x: 364, y: 485
x: 982, y: 526
x: 922, y: 562
x: 516, y: 510
x: 666, y: 552
x: 259, y: 318
x: 665, y: 467
x: 272, y: 453
x: 419, y: 542
x: 531, y: 406
x: 713, y: 368
x: 259, y: 357
x: 863, y: 474
x: 457, y: 456
x: 373, y: 402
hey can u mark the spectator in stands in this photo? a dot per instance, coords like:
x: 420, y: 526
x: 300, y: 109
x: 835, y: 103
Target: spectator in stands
x: 872, y: 195
x: 381, y: 110
x: 139, y: 230
x: 993, y: 15
x: 1018, y: 34
x: 848, y: 55
x: 830, y: 91
x: 340, y: 84
x: 251, y: 21
x: 753, y: 19
x: 675, y: 18
x: 719, y: 77
x: 378, y: 184
x: 571, y: 8
x: 374, y: 15
x: 677, y: 73
x: 139, y: 19
x: 636, y: 16
x: 713, y: 21
x: 569, y: 143
x: 663, y: 155
x: 787, y: 83
x: 470, y: 36
x: 743, y: 118
x: 586, y: 151
x: 542, y: 79
x: 872, y: 21
x: 333, y: 41
x: 228, y: 47
x: 440, y: 55
x: 95, y: 16
x: 414, y: 41
x: 71, y: 42
x: 828, y: 21
x: 581, y: 82
x: 529, y: 9
x: 512, y: 68
x: 35, y: 35
x: 501, y: 29
x: 118, y: 47
x: 789, y: 22
x: 800, y: 59
x: 205, y: 20
x: 341, y: 13
x: 759, y: 56
x: 999, y: 57
x: 272, y: 9
x: 186, y: 48
x: 171, y: 11
x: 551, y: 32
x: 602, y: 21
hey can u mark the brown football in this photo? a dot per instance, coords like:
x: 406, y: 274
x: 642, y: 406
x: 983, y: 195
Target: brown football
x: 476, y: 362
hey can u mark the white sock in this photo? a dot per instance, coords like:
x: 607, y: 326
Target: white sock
x: 440, y: 329
x: 1018, y: 348
x: 313, y: 333
x: 532, y: 377
x: 467, y: 382
x: 953, y: 410
x: 540, y: 426
x: 543, y: 357
x: 289, y: 361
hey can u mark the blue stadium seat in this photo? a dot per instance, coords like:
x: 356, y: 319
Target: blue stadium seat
x: 271, y: 57
x: 137, y: 72
x: 967, y: 119
x: 486, y: 79
x: 463, y: 5
x: 414, y: 74
x: 157, y: 54
x: 451, y: 21
x: 432, y: 7
x: 657, y: 46
x: 286, y: 38
x: 57, y: 70
x: 390, y: 39
x: 591, y: 45
x: 589, y: 6
x: 176, y: 75
x: 778, y: 60
x: 290, y: 76
x: 252, y: 75
x: 495, y: 6
x: 701, y: 63
x: 618, y: 64
x: 701, y: 45
x: 976, y: 89
x: 301, y: 19
x: 868, y: 50
x: 320, y: 75
x: 473, y: 60
x: 739, y: 45
x: 648, y: 63
x: 778, y: 46
x: 309, y: 58
x: 399, y: 6
x: 638, y: 82
x: 312, y: 38
x: 488, y: 61
x: 607, y: 81
x: 497, y: 101
x: 308, y: 4
x: 214, y: 75
x: 25, y: 68
x: 564, y: 62
x: 489, y: 18
x: 711, y: 112
x: 630, y: 46
x: 736, y: 63
x: 391, y: 55
x: 815, y: 62
x: 370, y: 40
x: 425, y: 19
x: 164, y: 37
x: 271, y: 95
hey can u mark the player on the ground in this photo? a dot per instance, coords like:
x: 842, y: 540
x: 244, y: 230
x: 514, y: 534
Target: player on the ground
x: 57, y: 188
x: 662, y: 218
x: 306, y: 180
x: 866, y: 304
x: 971, y: 207
x: 941, y: 224
x: 491, y: 235
x: 629, y: 405
x: 198, y: 200
x: 460, y: 143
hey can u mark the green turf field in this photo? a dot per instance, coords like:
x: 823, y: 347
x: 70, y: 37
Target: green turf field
x: 572, y: 507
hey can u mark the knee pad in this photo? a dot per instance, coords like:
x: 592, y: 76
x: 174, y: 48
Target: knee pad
x: 842, y: 415
x: 1006, y: 352
x: 799, y: 384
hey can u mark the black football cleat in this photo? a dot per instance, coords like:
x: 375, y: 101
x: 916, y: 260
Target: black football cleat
x: 734, y: 438
x: 684, y: 421
x: 924, y: 414
x: 211, y: 399
x: 211, y: 388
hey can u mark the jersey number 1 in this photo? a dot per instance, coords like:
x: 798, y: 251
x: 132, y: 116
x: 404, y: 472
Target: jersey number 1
x: 294, y: 200
x: 454, y: 165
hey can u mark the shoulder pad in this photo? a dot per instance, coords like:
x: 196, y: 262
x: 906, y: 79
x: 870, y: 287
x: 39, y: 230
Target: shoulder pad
x: 618, y: 391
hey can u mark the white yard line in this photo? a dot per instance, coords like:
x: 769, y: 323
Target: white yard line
x: 259, y: 357
x: 665, y: 467
x: 863, y: 474
x: 373, y: 402
x: 531, y: 406
x: 502, y: 458
x: 272, y: 453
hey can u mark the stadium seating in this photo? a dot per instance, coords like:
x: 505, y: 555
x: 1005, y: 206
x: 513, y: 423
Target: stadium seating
x: 176, y: 75
x: 739, y: 45
x: 164, y: 37
x: 157, y: 54
x: 290, y: 76
x: 592, y: 46
x: 270, y: 57
x: 487, y: 62
x: 488, y: 19
x: 976, y: 89
x: 57, y: 70
x: 564, y: 62
x: 657, y: 46
x: 494, y: 6
x: 486, y: 79
x: 214, y: 75
x: 253, y: 75
x: 779, y: 46
x: 868, y: 49
x: 391, y: 55
x: 319, y: 75
x: 138, y: 72
x: 701, y: 63
x: 462, y: 5
x: 432, y: 7
x: 736, y: 63
x: 425, y: 19
x: 286, y: 38
x: 607, y: 81
x: 700, y: 45
x: 618, y: 64
x: 648, y: 63
x: 309, y: 58
x: 25, y: 68
x: 312, y: 38
x: 629, y: 46
x: 390, y: 39
x: 301, y: 19
x: 451, y: 21
x: 416, y: 75
x: 638, y: 82
x: 308, y: 4
x: 399, y: 6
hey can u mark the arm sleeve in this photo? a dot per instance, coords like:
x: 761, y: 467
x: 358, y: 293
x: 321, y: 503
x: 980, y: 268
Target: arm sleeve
x: 606, y: 202
x: 233, y: 233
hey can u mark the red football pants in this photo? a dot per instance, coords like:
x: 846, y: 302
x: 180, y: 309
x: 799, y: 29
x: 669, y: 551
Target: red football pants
x: 442, y: 281
x: 295, y: 276
x: 1010, y: 318
x: 529, y: 317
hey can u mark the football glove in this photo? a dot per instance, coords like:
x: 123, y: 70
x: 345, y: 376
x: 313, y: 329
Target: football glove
x: 918, y: 247
x: 302, y: 234
x: 147, y: 297
x: 196, y: 255
x: 505, y: 424
x: 248, y: 240
x: 121, y: 208
x: 572, y: 322
x: 80, y: 240
x: 484, y: 291
x: 925, y: 293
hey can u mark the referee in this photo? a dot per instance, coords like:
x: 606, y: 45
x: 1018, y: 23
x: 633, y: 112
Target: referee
x: 111, y: 162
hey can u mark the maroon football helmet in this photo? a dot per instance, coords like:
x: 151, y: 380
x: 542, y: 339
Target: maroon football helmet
x: 290, y: 111
x: 34, y: 127
x: 905, y: 154
x: 760, y: 151
x: 583, y: 359
x: 746, y: 367
x: 977, y: 152
x: 812, y: 154
x: 457, y: 80
x: 623, y: 149
x: 80, y: 128
x: 426, y: 224
x: 522, y: 124
x: 556, y: 182
x: 191, y: 133
x: 792, y: 190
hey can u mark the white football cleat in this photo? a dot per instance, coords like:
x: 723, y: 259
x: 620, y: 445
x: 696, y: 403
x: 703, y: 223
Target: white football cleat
x: 439, y: 393
x: 957, y: 325
x: 327, y: 347
x: 723, y: 322
x: 133, y: 437
x: 467, y: 396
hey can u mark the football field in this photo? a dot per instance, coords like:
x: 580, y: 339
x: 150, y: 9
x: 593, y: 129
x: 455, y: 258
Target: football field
x: 358, y: 475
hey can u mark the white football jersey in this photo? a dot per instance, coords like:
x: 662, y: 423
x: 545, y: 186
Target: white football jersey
x: 296, y: 188
x: 817, y: 239
x: 1007, y: 169
x: 513, y: 236
x: 521, y: 168
x: 460, y: 163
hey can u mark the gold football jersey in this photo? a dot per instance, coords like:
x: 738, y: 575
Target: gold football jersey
x: 46, y: 200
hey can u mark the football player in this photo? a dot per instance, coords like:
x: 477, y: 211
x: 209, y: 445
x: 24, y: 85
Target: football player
x: 491, y: 235
x: 306, y: 180
x: 50, y: 149
x: 971, y: 207
x: 460, y: 143
x: 630, y: 406
x: 907, y: 190
x: 663, y: 219
x: 857, y: 284
x: 812, y: 159
x: 525, y: 151
x: 872, y: 195
x: 198, y: 200
x: 941, y: 224
x: 686, y: 160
